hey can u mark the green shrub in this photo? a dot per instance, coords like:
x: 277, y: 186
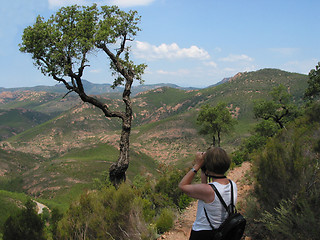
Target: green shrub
x: 168, y: 186
x: 184, y: 201
x: 313, y: 112
x: 165, y: 220
x: 286, y: 167
x: 148, y: 210
x: 107, y: 214
x: 56, y: 216
x: 26, y: 224
x: 287, y: 185
x: 293, y: 221
x: 238, y: 157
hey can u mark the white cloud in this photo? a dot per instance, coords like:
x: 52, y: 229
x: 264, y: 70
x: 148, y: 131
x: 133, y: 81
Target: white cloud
x: 120, y: 3
x: 236, y: 58
x: 147, y: 51
x: 211, y: 64
x: 249, y: 68
x: 303, y: 66
x: 228, y: 70
x: 180, y: 72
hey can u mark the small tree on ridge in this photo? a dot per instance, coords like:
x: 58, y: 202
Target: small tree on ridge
x: 215, y: 120
x: 280, y: 109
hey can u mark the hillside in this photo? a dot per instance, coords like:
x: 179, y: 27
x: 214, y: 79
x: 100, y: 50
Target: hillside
x: 161, y: 116
x: 14, y: 121
x: 45, y: 102
x: 62, y: 156
x: 175, y: 137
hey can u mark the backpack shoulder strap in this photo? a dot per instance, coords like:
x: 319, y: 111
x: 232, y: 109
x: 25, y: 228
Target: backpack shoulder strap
x: 205, y: 211
x: 221, y: 199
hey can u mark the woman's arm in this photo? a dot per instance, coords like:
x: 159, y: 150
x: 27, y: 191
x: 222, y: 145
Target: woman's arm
x: 199, y: 191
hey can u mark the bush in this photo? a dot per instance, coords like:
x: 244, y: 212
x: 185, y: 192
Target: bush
x: 286, y: 167
x: 26, y: 224
x: 262, y: 132
x: 293, y: 221
x: 129, y: 212
x: 148, y: 210
x: 184, y: 201
x: 165, y: 221
x: 287, y: 184
x: 105, y: 214
x: 238, y: 157
x: 313, y: 111
x: 168, y: 186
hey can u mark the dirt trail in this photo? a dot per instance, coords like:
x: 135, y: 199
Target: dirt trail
x: 40, y: 207
x: 182, y: 227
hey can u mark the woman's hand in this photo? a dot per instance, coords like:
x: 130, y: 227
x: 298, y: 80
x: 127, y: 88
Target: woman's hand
x: 199, y: 162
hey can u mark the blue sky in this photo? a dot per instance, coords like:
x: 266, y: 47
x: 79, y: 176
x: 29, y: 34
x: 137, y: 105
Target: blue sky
x: 185, y: 42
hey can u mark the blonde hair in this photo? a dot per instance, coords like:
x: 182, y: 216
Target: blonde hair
x: 217, y: 160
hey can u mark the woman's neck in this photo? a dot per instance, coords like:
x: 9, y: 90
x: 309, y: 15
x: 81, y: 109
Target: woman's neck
x: 215, y: 177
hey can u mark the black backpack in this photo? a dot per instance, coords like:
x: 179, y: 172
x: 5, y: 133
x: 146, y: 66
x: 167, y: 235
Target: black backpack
x: 233, y: 227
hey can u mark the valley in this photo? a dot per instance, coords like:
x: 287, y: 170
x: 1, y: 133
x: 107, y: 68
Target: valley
x: 53, y: 147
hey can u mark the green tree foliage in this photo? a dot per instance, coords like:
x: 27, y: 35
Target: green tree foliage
x: 261, y: 133
x: 280, y: 109
x: 56, y: 216
x: 275, y: 114
x: 26, y: 224
x: 313, y: 112
x: 61, y: 46
x: 287, y: 182
x: 313, y: 90
x: 214, y: 121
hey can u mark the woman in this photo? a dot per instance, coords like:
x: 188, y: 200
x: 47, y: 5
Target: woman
x: 214, y: 163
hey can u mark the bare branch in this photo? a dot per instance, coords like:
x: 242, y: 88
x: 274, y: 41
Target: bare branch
x: 123, y: 231
x: 67, y: 94
x: 122, y: 45
x: 63, y: 81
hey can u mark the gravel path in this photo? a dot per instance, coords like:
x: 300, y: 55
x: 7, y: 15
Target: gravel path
x: 40, y: 207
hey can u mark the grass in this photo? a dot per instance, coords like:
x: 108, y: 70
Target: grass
x: 102, y: 152
x: 61, y: 180
x: 168, y: 96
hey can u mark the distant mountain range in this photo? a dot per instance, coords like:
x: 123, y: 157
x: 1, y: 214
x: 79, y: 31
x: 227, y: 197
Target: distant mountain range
x: 94, y: 88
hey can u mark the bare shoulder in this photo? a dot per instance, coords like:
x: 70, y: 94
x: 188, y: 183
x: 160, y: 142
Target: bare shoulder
x: 208, y: 193
x: 200, y: 191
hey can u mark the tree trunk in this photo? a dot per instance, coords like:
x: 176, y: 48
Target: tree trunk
x: 117, y: 171
x: 219, y: 138
x: 213, y: 141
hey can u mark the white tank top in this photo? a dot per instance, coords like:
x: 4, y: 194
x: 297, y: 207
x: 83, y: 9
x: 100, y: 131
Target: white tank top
x: 216, y: 212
